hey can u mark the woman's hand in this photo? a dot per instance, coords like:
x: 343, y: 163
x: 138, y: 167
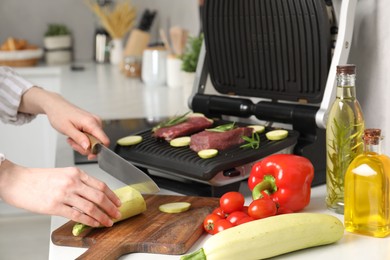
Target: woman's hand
x: 73, y: 122
x: 66, y: 118
x: 67, y: 192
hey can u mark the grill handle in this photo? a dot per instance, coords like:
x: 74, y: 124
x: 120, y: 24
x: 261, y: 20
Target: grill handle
x: 301, y: 117
x: 215, y: 106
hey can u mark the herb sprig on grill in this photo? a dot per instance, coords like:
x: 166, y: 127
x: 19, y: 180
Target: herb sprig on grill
x: 251, y: 142
x: 222, y: 128
x: 172, y: 121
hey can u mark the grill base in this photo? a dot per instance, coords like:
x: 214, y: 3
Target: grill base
x: 194, y: 188
x: 216, y: 183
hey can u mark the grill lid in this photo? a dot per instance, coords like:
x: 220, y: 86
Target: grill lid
x: 270, y: 49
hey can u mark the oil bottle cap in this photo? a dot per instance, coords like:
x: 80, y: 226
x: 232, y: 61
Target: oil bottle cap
x: 346, y: 69
x: 372, y: 136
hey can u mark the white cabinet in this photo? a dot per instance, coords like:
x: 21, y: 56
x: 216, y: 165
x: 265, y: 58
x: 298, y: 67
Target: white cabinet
x: 33, y: 144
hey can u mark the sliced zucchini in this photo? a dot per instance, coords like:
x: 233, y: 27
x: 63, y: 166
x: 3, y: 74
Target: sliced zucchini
x: 257, y: 128
x: 208, y: 153
x: 129, y: 140
x: 195, y: 114
x: 276, y: 135
x: 180, y: 141
x: 175, y: 207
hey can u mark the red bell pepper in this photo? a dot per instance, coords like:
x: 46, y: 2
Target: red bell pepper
x: 286, y: 178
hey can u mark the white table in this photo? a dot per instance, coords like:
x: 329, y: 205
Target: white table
x: 101, y: 89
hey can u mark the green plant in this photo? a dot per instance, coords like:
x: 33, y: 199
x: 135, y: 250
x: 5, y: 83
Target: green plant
x: 57, y: 30
x: 191, y: 53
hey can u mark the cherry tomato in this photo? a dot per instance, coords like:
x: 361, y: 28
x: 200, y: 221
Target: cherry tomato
x: 209, y: 223
x: 245, y: 220
x: 245, y: 209
x: 235, y: 216
x: 262, y: 208
x: 232, y: 201
x: 220, y: 212
x: 282, y: 210
x: 222, y: 225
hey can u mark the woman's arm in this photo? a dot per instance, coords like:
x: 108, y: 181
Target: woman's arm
x: 67, y: 192
x: 12, y: 87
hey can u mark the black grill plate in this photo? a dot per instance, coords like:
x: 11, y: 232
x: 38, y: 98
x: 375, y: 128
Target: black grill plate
x: 158, y: 155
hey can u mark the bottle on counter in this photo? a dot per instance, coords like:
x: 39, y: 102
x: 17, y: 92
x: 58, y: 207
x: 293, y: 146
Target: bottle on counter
x: 367, y: 193
x: 344, y: 129
x: 102, y: 48
x: 132, y: 66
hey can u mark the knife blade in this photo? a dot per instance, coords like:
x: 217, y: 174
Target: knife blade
x: 121, y: 169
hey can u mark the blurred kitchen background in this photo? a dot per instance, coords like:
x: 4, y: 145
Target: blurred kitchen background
x: 29, y: 20
x: 369, y: 51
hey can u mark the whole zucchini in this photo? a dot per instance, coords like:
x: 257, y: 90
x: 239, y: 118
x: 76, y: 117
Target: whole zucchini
x: 272, y: 236
x: 132, y: 204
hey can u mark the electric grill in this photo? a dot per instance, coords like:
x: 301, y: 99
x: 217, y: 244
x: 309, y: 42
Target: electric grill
x: 266, y: 61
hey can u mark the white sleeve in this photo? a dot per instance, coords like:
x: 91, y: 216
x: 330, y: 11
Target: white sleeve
x: 2, y: 158
x: 12, y: 87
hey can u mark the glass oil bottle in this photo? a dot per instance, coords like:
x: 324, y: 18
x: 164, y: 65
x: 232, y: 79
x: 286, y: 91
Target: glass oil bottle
x: 344, y: 129
x: 367, y: 193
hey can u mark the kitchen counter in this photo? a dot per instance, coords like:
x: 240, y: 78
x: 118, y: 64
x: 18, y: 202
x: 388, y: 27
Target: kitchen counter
x: 103, y: 90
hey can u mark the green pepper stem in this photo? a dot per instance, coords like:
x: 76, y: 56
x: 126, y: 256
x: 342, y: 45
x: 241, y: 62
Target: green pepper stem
x: 267, y: 185
x: 197, y: 255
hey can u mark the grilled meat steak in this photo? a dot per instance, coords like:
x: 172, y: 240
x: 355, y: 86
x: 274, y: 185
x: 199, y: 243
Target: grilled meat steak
x: 192, y: 125
x: 219, y: 140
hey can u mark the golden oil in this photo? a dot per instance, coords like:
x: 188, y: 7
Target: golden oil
x: 344, y: 130
x: 366, y: 191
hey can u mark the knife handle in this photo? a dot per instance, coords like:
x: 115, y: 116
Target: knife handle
x: 94, y: 143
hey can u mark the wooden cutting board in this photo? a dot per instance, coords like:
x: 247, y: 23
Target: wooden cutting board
x: 150, y: 232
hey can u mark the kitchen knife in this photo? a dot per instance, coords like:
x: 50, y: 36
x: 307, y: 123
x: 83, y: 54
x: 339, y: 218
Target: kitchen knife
x: 121, y: 169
